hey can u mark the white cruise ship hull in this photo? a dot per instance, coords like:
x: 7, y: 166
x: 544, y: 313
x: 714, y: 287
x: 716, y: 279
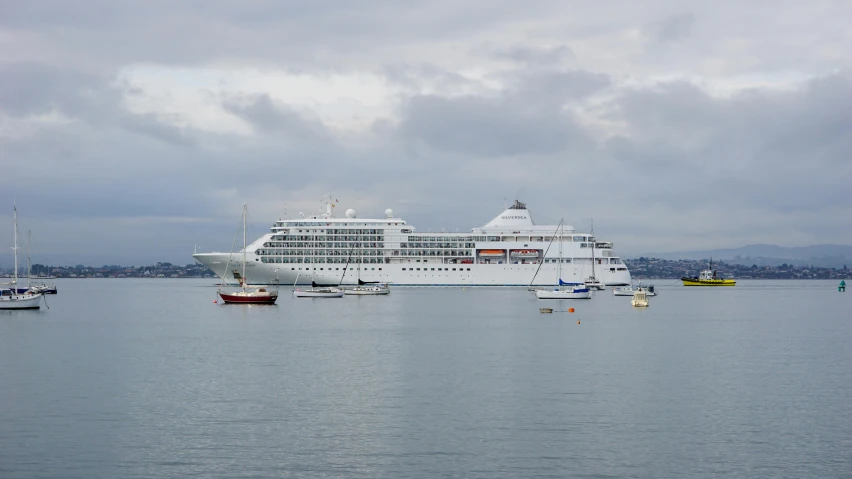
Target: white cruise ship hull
x: 428, y: 274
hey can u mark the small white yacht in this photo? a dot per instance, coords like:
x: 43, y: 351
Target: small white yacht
x: 640, y: 300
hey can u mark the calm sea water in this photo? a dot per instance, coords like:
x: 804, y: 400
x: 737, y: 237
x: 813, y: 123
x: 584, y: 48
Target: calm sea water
x: 149, y: 378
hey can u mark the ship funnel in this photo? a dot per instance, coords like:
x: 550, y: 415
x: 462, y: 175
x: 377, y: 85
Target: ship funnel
x: 515, y: 216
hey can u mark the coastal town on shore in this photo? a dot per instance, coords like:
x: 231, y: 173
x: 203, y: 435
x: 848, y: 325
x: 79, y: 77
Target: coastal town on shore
x: 640, y: 269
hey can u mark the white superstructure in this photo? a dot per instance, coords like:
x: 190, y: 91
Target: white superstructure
x: 510, y: 250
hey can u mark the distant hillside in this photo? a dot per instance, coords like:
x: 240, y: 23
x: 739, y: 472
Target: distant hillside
x: 826, y: 255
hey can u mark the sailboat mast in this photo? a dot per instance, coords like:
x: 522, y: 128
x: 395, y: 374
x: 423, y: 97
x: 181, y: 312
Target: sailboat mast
x: 245, y: 209
x: 15, y: 248
x: 559, y: 264
x: 29, y: 260
x: 593, y: 249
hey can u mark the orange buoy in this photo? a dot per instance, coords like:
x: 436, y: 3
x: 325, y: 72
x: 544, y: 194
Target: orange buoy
x: 214, y: 301
x: 570, y: 310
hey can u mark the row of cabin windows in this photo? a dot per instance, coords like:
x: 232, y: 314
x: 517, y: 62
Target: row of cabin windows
x: 344, y: 232
x: 322, y: 243
x: 300, y: 258
x: 339, y: 248
x: 335, y: 269
x: 432, y: 239
x: 435, y: 253
x: 282, y: 224
x: 315, y: 238
x: 433, y: 269
x: 444, y: 239
x: 597, y: 260
x: 279, y: 259
x: 436, y: 245
x: 318, y: 252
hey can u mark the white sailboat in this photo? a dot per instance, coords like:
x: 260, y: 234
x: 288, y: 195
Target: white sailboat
x: 591, y: 282
x: 365, y: 288
x: 563, y: 290
x: 316, y: 290
x: 247, y: 294
x: 11, y: 298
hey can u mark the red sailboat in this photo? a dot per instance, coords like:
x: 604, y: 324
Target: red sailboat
x: 247, y: 294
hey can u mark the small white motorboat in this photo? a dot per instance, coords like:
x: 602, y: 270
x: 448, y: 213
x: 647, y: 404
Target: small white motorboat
x: 640, y: 300
x: 320, y: 292
x: 628, y: 290
x: 368, y: 290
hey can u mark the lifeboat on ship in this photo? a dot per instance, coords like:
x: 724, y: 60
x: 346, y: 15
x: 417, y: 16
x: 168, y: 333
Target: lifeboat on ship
x: 524, y: 253
x: 492, y: 253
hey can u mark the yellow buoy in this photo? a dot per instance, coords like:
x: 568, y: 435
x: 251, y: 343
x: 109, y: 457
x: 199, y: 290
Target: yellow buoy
x: 578, y: 321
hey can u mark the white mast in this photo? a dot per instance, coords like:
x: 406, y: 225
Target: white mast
x: 559, y: 264
x: 29, y: 260
x: 245, y: 209
x: 593, y: 249
x: 15, y: 248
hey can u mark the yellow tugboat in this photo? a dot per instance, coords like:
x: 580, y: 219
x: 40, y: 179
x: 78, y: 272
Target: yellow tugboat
x: 708, y: 277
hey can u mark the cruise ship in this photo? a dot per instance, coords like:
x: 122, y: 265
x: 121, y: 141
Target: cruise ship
x: 510, y: 250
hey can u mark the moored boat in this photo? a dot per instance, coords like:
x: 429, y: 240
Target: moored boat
x: 12, y: 297
x: 577, y: 291
x: 628, y: 290
x: 258, y: 295
x: 592, y: 282
x: 708, y: 277
x: 563, y: 290
x: 368, y: 290
x: 44, y: 288
x: 319, y: 292
x: 247, y: 294
x: 640, y: 300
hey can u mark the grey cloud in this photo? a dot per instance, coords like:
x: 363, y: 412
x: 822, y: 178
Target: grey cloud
x: 418, y: 76
x: 558, y: 86
x: 672, y: 29
x: 756, y: 148
x: 151, y: 126
x: 262, y: 113
x: 280, y: 31
x: 678, y: 112
x: 32, y: 89
x: 549, y: 56
x: 488, y: 127
x: 526, y: 118
x: 29, y: 88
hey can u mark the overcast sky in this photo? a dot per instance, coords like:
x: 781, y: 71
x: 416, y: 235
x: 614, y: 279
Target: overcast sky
x: 132, y: 131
